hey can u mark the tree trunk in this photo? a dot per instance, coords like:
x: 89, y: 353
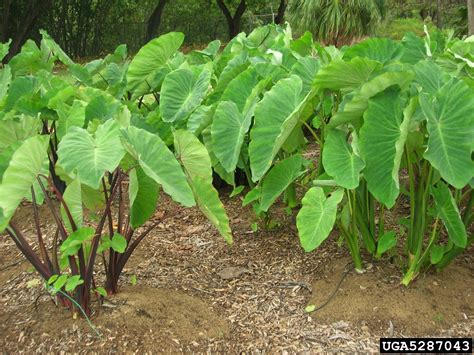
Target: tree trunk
x: 5, y: 21
x: 439, y: 14
x: 233, y: 22
x: 155, y: 20
x: 35, y: 10
x: 281, y: 13
x: 470, y: 15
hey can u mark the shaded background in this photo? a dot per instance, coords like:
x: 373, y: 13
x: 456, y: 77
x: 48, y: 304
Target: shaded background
x: 90, y: 28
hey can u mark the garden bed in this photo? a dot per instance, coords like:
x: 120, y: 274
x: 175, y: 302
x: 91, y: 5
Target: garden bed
x: 194, y: 293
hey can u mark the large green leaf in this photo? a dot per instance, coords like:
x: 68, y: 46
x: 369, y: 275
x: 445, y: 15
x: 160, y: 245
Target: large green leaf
x: 254, y: 98
x: 211, y: 50
x: 450, y: 126
x: 414, y: 48
x: 382, y: 142
x: 262, y: 37
x: 449, y: 214
x: 306, y: 68
x: 200, y: 119
x: 228, y: 130
x: 30, y: 61
x: 211, y: 206
x: 192, y: 154
x: 317, y: 216
x: 25, y: 165
x: 143, y: 195
x: 102, y: 107
x: 58, y: 99
x: 280, y: 176
x: 234, y: 67
x: 340, y: 161
x: 154, y: 124
x: 240, y: 88
x: 90, y: 156
x: 216, y: 165
x: 346, y: 75
x: 355, y: 107
x: 71, y: 116
x: 296, y: 140
x: 92, y: 199
x: 383, y: 50
x: 20, y: 87
x: 5, y: 157
x: 430, y: 76
x: 147, y: 63
x: 303, y: 45
x: 55, y: 48
x: 197, y: 164
x: 182, y: 92
x: 159, y: 163
x: 270, y: 71
x: 276, y: 116
x: 18, y: 129
x: 73, y: 198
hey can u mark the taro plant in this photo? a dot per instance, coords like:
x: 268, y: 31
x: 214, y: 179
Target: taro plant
x: 79, y: 127
x: 262, y: 112
x: 41, y: 102
x: 228, y: 100
x: 85, y: 161
x: 404, y: 126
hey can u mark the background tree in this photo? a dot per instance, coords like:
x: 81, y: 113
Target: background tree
x: 233, y: 21
x: 439, y: 13
x: 470, y: 15
x: 76, y: 25
x: 5, y: 11
x: 155, y: 19
x: 19, y: 19
x: 280, y: 17
x: 336, y: 21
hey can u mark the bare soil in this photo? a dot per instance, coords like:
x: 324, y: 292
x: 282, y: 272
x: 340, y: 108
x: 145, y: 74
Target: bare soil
x: 139, y: 312
x: 194, y: 293
x: 375, y: 299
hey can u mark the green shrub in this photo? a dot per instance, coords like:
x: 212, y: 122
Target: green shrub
x: 397, y: 28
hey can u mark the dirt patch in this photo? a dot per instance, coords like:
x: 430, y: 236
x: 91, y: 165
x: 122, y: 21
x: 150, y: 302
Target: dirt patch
x: 139, y: 311
x: 174, y: 314
x: 433, y: 302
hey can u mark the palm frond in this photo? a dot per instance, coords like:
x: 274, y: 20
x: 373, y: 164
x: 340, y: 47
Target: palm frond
x: 335, y: 20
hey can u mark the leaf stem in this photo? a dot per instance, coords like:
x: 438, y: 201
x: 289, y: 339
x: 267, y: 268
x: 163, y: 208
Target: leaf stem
x: 313, y: 133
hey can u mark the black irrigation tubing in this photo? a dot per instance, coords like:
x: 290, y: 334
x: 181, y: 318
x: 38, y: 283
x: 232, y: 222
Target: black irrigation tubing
x: 330, y: 298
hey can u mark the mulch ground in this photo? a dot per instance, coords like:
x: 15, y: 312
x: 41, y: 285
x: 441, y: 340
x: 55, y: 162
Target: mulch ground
x: 200, y: 295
